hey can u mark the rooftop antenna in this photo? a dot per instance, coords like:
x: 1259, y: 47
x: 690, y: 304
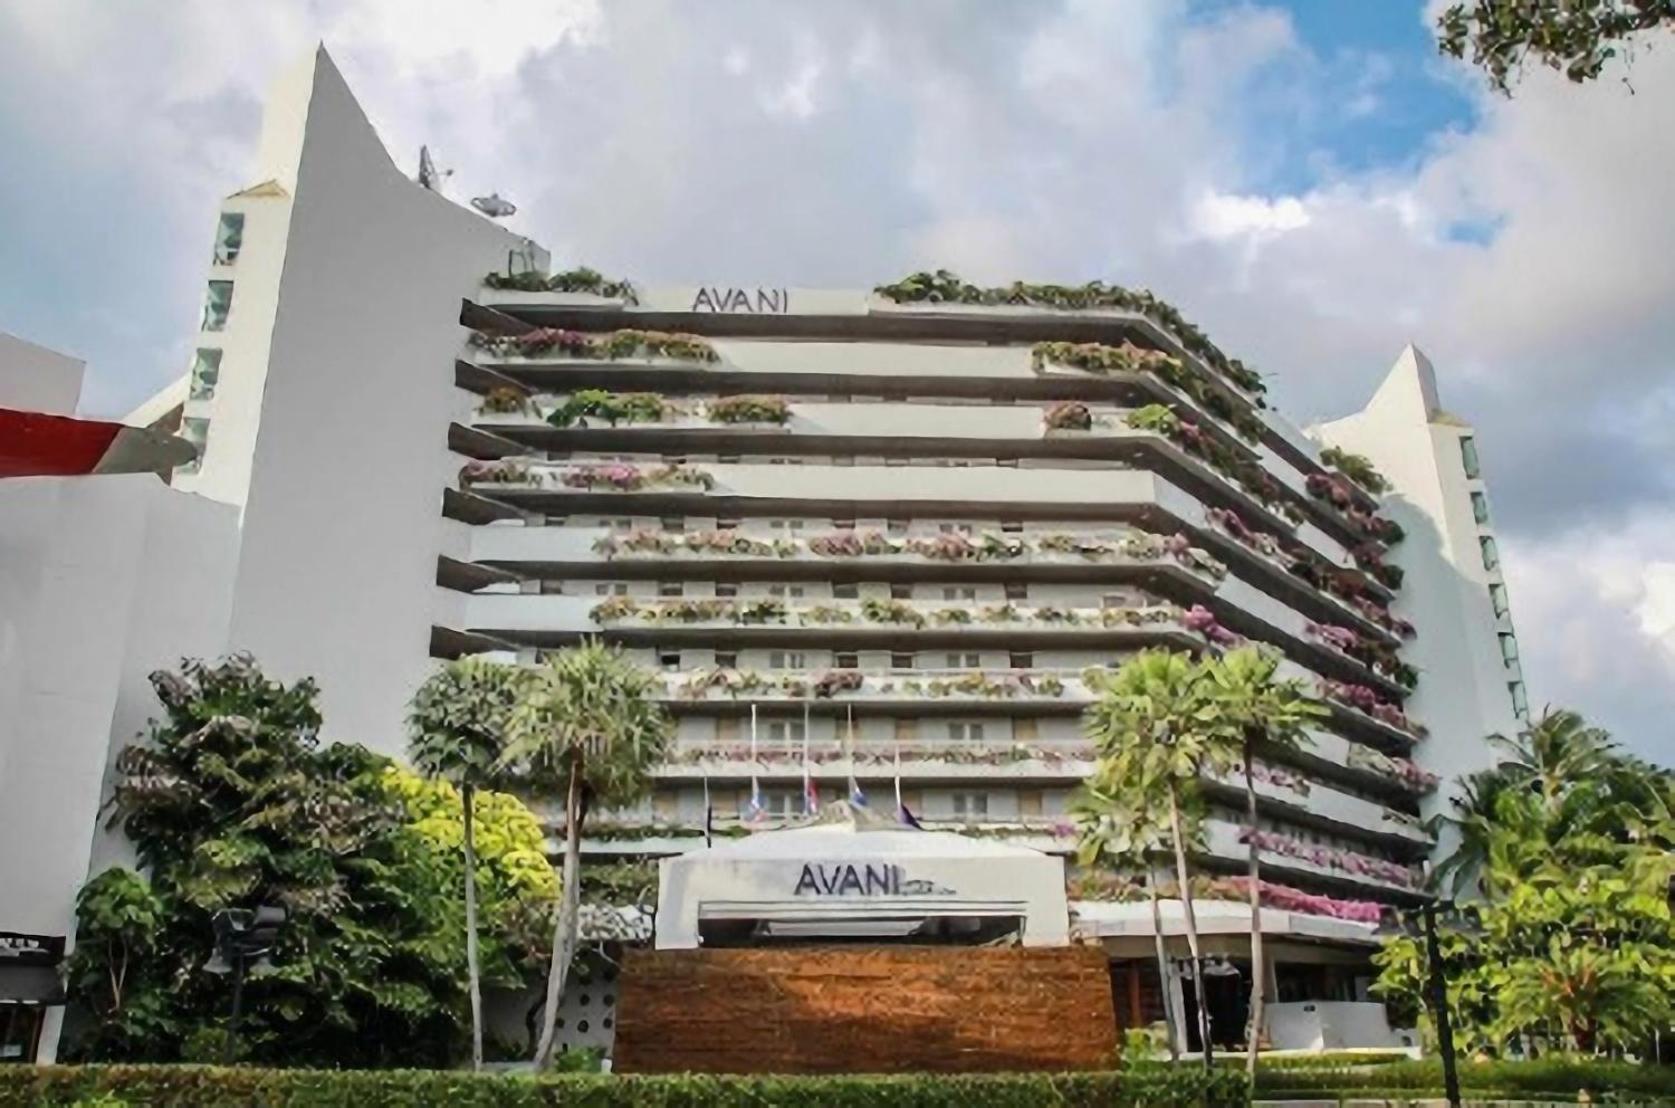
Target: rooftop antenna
x: 493, y: 205
x: 429, y: 176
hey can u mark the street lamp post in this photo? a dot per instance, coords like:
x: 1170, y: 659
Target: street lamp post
x: 241, y: 935
x: 1439, y: 1007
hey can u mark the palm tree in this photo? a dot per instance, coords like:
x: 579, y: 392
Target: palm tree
x: 586, y: 728
x: 457, y: 725
x: 1118, y: 825
x: 1156, y: 721
x: 1257, y: 707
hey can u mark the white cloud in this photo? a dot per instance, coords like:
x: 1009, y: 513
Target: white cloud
x: 1219, y: 215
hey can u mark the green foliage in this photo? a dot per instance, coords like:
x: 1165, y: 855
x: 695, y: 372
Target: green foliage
x: 1524, y: 1080
x: 1569, y: 844
x: 194, y: 1086
x: 232, y: 801
x: 749, y: 409
x: 580, y: 279
x: 511, y: 845
x: 1154, y: 417
x: 612, y: 407
x: 943, y: 287
x: 1357, y: 468
x: 458, y: 718
x: 1577, y: 37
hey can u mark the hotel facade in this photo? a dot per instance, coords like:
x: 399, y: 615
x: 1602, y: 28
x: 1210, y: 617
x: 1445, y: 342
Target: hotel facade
x: 866, y: 538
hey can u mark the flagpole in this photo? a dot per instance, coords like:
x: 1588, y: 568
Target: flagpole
x: 755, y: 809
x: 810, y: 797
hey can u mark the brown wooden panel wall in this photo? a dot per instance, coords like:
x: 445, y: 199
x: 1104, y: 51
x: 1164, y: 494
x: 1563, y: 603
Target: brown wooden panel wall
x: 858, y: 1009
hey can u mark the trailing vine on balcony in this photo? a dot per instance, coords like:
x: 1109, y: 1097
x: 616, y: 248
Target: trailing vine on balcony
x: 605, y: 346
x: 1341, y: 495
x: 1356, y: 467
x: 1366, y: 701
x: 580, y: 279
x: 836, y: 682
x: 871, y: 610
x: 505, y: 400
x: 942, y: 753
x: 615, y: 476
x: 988, y: 546
x: 1098, y: 358
x: 944, y: 287
x: 1067, y: 415
x: 1162, y: 420
x: 612, y: 407
x: 1333, y: 858
x: 1112, y: 887
x: 1403, y: 770
x: 1374, y: 655
x: 748, y: 409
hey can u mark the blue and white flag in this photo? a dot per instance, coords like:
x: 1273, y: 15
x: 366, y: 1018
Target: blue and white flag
x: 754, y: 809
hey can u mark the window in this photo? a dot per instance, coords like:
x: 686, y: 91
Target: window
x: 674, y: 524
x: 846, y: 591
x: 959, y: 592
x: 217, y: 304
x: 1024, y: 730
x: 785, y: 525
x: 206, y: 372
x: 1021, y: 660
x: 1497, y: 597
x: 727, y: 459
x: 785, y: 730
x: 901, y: 592
x: 971, y: 805
x: 966, y: 660
x: 726, y: 588
x: 727, y: 659
x: 194, y: 430
x: 964, y: 731
x: 1491, y: 554
x: 1468, y: 457
x: 1007, y: 463
x: 1520, y: 702
x: 668, y: 659
x: 787, y: 659
x: 726, y: 525
x: 846, y: 660
x: 896, y: 526
x: 901, y: 661
x: 670, y: 588
x: 779, y: 803
x: 1029, y: 802
x: 1016, y: 590
x: 1015, y: 527
x: 794, y: 592
x: 906, y: 730
x: 954, y: 528
x: 1509, y: 647
x: 1480, y: 507
x: 229, y: 237
x: 843, y: 524
x: 611, y: 588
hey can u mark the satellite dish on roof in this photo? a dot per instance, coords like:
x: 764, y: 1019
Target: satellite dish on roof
x: 429, y: 176
x: 493, y: 206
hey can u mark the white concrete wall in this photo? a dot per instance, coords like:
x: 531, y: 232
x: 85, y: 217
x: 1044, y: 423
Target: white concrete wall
x: 35, y: 379
x: 1462, y: 694
x: 102, y: 580
x: 342, y: 518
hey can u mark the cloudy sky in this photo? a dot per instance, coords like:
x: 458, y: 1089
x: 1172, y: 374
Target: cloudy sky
x: 1307, y: 179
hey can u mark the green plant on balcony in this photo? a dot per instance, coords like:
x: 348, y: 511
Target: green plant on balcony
x: 1000, y: 613
x: 944, y: 287
x: 949, y: 546
x: 612, y: 407
x: 580, y: 279
x: 944, y: 616
x: 608, y: 346
x: 1050, y: 614
x: 504, y: 471
x: 762, y: 611
x: 876, y: 610
x: 1098, y: 358
x: 1068, y: 415
x: 614, y: 608
x: 506, y: 400
x: 1156, y: 418
x: 748, y: 409
x: 827, y: 614
x: 1357, y: 468
x: 835, y: 681
x: 731, y: 681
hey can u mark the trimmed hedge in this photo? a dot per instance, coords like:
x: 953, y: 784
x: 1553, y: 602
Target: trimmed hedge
x: 194, y: 1086
x: 1557, y: 1077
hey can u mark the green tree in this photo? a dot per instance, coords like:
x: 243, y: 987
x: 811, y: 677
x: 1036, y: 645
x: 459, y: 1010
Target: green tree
x: 1119, y: 824
x: 231, y: 801
x: 586, y: 728
x: 1576, y: 37
x: 1258, y: 709
x: 1156, y: 721
x: 457, y: 732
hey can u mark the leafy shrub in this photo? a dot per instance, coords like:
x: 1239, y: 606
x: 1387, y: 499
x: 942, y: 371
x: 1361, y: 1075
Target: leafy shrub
x: 612, y: 407
x: 749, y: 409
x: 194, y: 1086
x: 580, y: 279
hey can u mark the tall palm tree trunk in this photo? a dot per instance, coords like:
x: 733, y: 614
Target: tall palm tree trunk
x: 564, y: 930
x: 1169, y: 1021
x: 1184, y: 877
x: 1258, y: 971
x: 472, y: 970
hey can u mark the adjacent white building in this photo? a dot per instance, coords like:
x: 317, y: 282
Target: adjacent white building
x: 867, y: 539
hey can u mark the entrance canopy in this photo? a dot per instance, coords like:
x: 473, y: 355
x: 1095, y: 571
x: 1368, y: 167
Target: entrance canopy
x: 851, y: 874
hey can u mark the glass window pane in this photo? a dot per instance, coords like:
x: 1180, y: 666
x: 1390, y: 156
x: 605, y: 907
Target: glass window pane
x: 1480, y: 507
x: 217, y: 304
x: 194, y: 430
x: 1520, y: 701
x: 1497, y: 597
x: 1509, y: 647
x: 229, y: 237
x: 206, y: 373
x: 1468, y: 456
x: 1491, y: 555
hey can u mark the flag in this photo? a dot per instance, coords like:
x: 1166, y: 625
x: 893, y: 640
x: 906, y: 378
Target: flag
x: 709, y: 814
x: 902, y: 814
x: 907, y: 817
x: 856, y: 796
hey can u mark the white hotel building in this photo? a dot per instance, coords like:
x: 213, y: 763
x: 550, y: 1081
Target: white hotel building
x: 837, y: 510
